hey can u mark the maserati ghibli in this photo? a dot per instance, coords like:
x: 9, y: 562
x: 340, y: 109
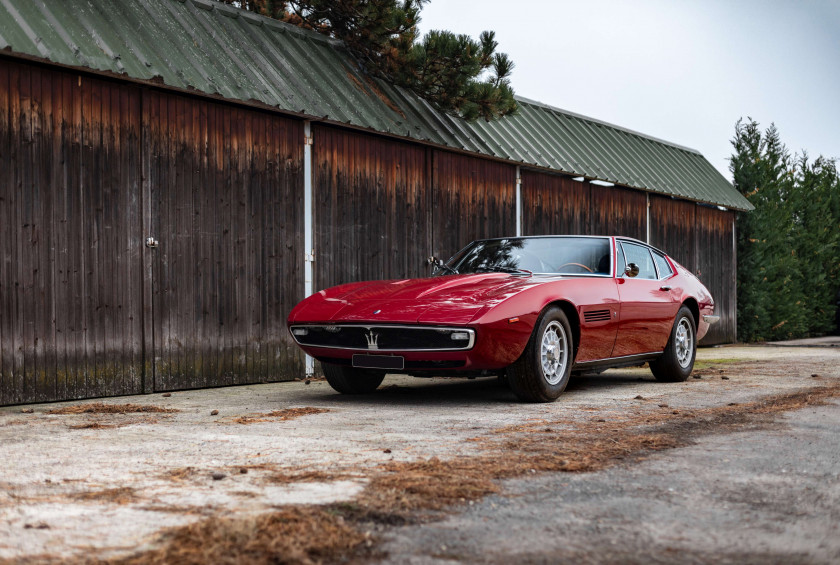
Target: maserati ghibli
x: 533, y: 310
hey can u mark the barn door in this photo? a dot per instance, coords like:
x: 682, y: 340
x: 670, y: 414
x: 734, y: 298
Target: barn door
x: 69, y: 263
x: 224, y: 191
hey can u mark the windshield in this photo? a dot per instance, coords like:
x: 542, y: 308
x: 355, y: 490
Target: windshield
x: 541, y: 255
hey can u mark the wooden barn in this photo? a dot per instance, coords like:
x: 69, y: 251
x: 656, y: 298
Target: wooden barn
x: 176, y: 174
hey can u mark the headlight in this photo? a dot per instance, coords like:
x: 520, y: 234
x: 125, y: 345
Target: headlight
x: 460, y: 336
x: 300, y: 331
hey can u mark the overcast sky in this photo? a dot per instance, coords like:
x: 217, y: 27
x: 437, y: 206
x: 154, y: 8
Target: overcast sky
x: 684, y: 71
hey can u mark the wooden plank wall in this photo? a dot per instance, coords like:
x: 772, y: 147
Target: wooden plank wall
x: 227, y: 209
x: 619, y: 211
x: 372, y: 207
x: 554, y: 204
x: 89, y: 167
x: 716, y: 267
x: 69, y: 257
x: 673, y: 228
x: 472, y: 199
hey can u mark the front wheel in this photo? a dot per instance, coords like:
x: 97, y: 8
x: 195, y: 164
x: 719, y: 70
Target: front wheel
x: 677, y: 361
x: 350, y: 380
x: 543, y: 370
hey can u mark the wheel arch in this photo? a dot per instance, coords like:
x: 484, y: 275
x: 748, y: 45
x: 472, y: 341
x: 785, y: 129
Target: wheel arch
x: 574, y: 320
x: 692, y: 305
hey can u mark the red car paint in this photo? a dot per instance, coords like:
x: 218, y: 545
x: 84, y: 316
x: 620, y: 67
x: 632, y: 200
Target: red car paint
x: 634, y: 316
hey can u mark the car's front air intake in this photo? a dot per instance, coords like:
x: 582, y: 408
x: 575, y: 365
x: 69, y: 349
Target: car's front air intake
x: 384, y: 338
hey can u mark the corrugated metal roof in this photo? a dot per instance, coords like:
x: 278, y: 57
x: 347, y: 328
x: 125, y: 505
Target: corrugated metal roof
x: 205, y: 46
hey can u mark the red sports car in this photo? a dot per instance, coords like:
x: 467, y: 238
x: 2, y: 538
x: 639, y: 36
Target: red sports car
x: 535, y: 309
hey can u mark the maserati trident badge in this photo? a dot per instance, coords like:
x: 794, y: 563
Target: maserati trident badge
x: 372, y: 340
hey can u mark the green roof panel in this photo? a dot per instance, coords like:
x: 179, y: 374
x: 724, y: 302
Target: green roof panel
x: 208, y: 47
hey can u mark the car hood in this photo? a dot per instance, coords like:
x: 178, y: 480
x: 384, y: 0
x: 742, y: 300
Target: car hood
x: 453, y: 299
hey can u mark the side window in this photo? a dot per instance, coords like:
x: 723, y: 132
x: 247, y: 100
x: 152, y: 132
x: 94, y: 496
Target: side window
x: 662, y: 265
x: 620, y: 263
x: 641, y: 257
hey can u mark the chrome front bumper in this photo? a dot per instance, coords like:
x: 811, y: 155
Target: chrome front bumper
x: 710, y: 319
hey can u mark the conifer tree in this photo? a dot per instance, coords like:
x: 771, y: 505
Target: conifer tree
x: 789, y: 246
x: 454, y: 73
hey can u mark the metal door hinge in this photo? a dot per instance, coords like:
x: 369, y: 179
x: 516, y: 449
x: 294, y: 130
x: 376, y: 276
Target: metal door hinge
x: 307, y: 140
x: 310, y: 257
x: 151, y: 242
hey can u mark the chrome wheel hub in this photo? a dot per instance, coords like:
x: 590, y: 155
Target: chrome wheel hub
x: 554, y: 352
x: 684, y: 342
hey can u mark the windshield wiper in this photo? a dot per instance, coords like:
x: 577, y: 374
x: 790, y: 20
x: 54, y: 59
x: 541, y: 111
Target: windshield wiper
x: 513, y: 270
x: 501, y: 269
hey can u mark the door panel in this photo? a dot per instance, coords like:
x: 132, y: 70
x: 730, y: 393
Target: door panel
x: 226, y: 209
x: 647, y: 306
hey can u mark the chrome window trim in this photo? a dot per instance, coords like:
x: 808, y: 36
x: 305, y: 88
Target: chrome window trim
x: 649, y: 249
x: 654, y: 253
x: 369, y: 327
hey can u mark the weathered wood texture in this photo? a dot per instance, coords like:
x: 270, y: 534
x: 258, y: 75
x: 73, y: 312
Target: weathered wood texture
x: 554, y: 204
x: 472, y: 198
x: 227, y: 209
x: 371, y: 207
x: 673, y: 228
x: 716, y: 266
x: 618, y: 211
x: 69, y: 255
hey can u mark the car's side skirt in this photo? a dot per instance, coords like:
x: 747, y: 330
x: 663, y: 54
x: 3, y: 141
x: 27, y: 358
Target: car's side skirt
x: 614, y: 362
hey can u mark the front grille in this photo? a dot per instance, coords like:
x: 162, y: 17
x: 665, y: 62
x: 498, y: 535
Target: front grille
x: 409, y: 365
x: 385, y: 338
x: 596, y: 316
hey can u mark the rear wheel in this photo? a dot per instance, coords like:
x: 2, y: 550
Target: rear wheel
x: 543, y: 370
x: 677, y: 361
x: 350, y: 380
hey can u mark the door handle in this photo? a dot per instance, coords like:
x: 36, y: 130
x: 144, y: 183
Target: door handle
x: 664, y: 288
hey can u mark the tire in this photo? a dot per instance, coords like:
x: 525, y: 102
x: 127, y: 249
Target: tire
x: 543, y: 370
x: 349, y: 380
x: 677, y: 361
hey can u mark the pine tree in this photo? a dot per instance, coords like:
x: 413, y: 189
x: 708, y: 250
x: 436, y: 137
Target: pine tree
x: 454, y: 73
x: 817, y: 237
x: 789, y: 246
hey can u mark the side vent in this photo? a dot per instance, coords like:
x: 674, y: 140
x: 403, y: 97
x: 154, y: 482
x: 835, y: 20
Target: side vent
x: 596, y: 316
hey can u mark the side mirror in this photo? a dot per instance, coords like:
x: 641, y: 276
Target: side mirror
x: 631, y: 270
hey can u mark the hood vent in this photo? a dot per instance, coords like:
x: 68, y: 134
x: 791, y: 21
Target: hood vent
x: 596, y: 316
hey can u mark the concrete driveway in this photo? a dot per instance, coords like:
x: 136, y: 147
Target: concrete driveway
x: 439, y: 470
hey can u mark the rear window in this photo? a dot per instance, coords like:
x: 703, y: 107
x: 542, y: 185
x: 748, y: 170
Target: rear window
x: 662, y: 265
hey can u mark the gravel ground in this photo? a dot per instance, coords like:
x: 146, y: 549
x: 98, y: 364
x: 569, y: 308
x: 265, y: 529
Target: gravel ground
x: 81, y: 485
x: 751, y: 497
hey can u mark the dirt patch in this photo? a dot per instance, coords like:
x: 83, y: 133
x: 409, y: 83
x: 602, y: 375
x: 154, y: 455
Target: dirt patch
x: 275, y: 415
x: 301, y: 535
x: 123, y: 495
x: 92, y: 426
x: 294, y: 476
x: 102, y: 408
